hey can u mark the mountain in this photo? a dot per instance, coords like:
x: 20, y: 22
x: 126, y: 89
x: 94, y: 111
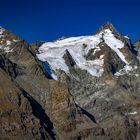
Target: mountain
x: 76, y: 88
x: 89, y: 53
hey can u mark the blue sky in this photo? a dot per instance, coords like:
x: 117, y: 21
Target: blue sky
x: 39, y: 20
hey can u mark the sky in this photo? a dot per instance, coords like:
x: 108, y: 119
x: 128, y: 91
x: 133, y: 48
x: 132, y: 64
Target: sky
x: 48, y: 20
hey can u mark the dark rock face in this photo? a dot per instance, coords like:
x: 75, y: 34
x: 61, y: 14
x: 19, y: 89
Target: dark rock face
x: 137, y: 44
x: 69, y: 60
x: 78, y: 106
x: 112, y: 63
x: 137, y: 48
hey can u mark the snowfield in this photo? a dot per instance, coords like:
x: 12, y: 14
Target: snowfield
x: 78, y: 47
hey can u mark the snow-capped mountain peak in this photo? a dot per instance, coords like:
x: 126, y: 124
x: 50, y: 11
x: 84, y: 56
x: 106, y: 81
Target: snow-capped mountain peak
x: 79, y: 47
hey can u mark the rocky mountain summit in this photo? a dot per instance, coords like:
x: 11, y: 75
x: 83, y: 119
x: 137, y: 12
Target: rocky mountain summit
x: 76, y: 88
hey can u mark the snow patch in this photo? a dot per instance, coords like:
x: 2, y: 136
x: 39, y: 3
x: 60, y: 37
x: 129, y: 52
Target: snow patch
x: 96, y: 50
x: 133, y: 113
x: 6, y: 47
x: 125, y: 70
x: 15, y: 40
x: 8, y: 42
x: 101, y: 56
x: 126, y: 37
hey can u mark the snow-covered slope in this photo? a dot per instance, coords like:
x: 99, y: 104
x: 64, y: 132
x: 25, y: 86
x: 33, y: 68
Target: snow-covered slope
x: 4, y: 43
x: 79, y: 47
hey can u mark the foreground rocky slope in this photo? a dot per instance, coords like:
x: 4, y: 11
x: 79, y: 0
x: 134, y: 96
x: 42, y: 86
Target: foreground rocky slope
x: 94, y: 95
x: 19, y: 113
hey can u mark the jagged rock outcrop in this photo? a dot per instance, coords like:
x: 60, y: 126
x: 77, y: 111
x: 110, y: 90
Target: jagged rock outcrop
x: 137, y: 44
x: 70, y: 120
x: 137, y: 48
